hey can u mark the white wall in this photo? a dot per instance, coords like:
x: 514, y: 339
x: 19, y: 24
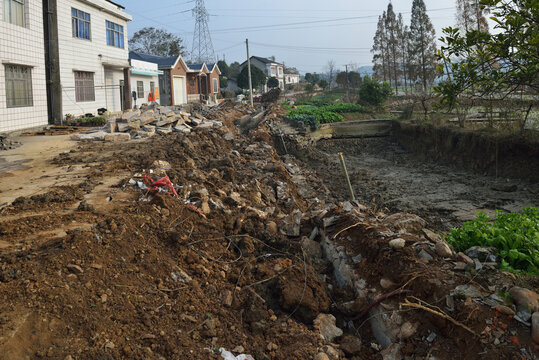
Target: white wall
x: 83, y: 55
x: 146, y: 80
x: 24, y: 46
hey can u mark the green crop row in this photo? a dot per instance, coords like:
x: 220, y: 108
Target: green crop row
x: 515, y: 235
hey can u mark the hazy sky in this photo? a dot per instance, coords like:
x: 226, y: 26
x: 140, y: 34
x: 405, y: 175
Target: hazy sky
x: 341, y: 30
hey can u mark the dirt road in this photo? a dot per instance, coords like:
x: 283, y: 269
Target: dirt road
x: 388, y: 176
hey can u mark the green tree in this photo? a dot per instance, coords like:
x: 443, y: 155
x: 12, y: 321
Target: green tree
x: 158, y: 42
x: 373, y: 92
x: 354, y: 79
x: 234, y: 70
x: 379, y: 50
x: 273, y: 82
x: 493, y: 65
x: 323, y: 83
x: 341, y: 79
x: 391, y: 26
x: 312, y: 78
x: 225, y: 70
x: 223, y: 81
x: 423, y: 45
x: 257, y: 75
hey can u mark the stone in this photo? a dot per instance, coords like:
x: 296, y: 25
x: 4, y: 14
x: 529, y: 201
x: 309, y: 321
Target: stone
x: 408, y: 330
x: 227, y: 299
x: 403, y: 221
x: 122, y: 127
x: 386, y: 283
x: 117, y: 137
x: 460, y: 266
x: 424, y: 256
x: 129, y: 115
x: 147, y: 117
x: 397, y: 244
x: 524, y: 314
x: 442, y: 249
x: 272, y: 346
x: 312, y: 248
x: 271, y: 227
x: 228, y: 136
x: 351, y: 345
x: 392, y: 352
x: 321, y: 356
x: 535, y: 327
x: 525, y: 298
x: 506, y: 310
x: 110, y: 127
x: 484, y: 254
x: 467, y: 291
x: 75, y: 268
x: 164, y: 131
x: 325, y: 324
x: 432, y: 236
x: 464, y: 258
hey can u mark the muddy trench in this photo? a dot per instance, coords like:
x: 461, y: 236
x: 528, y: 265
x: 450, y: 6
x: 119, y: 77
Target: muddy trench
x: 384, y: 174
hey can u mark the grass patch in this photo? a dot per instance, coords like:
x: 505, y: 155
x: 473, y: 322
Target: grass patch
x: 515, y: 235
x: 314, y: 115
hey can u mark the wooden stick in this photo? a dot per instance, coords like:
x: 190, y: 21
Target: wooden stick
x: 379, y: 300
x: 438, y: 313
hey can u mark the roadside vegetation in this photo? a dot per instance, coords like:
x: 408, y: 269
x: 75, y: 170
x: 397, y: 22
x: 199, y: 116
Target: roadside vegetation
x: 514, y: 235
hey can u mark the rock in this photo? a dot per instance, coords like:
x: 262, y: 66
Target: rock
x: 408, y: 330
x: 75, y: 268
x: 431, y: 337
x: 117, y: 137
x: 271, y: 227
x: 432, y: 236
x: 403, y: 221
x: 524, y: 314
x: 228, y: 136
x: 272, y: 346
x: 443, y: 249
x: 110, y: 127
x: 525, y: 298
x: 325, y: 325
x: 356, y: 306
x: 312, y: 248
x: 351, y: 345
x: 535, y: 327
x: 464, y: 258
x: 393, y: 352
x: 321, y: 356
x: 227, y: 299
x: 131, y: 114
x: 505, y: 310
x: 484, y: 254
x: 460, y: 266
x: 397, y: 244
x: 238, y: 349
x: 467, y: 291
x: 122, y: 127
x: 386, y: 283
x: 424, y: 256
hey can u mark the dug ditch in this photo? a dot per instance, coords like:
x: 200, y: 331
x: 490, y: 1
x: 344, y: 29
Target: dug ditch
x: 386, y: 175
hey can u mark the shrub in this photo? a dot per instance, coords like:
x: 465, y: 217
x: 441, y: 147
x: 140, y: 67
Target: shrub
x: 515, y: 235
x: 345, y: 108
x: 314, y: 116
x: 374, y: 93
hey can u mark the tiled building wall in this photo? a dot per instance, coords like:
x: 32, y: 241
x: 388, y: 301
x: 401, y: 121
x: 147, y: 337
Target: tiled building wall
x: 24, y: 46
x: 84, y: 55
x: 146, y: 80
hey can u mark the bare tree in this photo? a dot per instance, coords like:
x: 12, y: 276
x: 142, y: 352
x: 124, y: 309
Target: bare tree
x: 331, y: 71
x: 423, y: 45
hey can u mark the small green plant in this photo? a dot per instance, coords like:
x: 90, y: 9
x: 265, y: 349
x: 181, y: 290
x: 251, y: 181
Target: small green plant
x: 515, y: 235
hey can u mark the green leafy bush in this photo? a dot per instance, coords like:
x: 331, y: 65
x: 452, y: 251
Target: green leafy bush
x: 345, y: 108
x: 515, y: 235
x: 314, y: 116
x: 373, y: 92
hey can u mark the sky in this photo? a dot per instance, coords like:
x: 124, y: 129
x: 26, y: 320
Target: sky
x: 304, y: 34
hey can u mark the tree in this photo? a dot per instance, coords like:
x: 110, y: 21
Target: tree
x: 497, y: 65
x: 323, y: 83
x: 471, y: 15
x: 379, y: 50
x: 225, y: 70
x: 331, y: 72
x: 312, y: 78
x: 354, y: 79
x: 423, y: 45
x: 158, y: 42
x: 273, y: 82
x: 223, y: 82
x: 234, y: 70
x: 341, y: 79
x: 392, y: 46
x: 373, y: 92
x: 257, y: 75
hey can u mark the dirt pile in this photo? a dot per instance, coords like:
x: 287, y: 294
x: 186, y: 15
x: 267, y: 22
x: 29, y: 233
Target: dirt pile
x: 252, y: 256
x: 7, y: 144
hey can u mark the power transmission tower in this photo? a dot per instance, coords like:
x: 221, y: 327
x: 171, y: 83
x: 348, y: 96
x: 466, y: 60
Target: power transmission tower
x: 202, y: 44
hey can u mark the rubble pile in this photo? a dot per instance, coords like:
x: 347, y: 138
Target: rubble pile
x: 7, y: 144
x: 212, y: 245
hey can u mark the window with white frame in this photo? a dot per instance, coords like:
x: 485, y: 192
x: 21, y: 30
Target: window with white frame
x: 280, y: 71
x: 18, y: 86
x: 84, y: 86
x: 80, y: 24
x: 14, y: 12
x: 215, y: 86
x: 152, y: 87
x: 140, y: 89
x: 115, y: 35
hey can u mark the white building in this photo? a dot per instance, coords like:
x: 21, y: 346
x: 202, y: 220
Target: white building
x: 88, y: 56
x: 144, y: 81
x: 269, y: 67
x: 23, y: 99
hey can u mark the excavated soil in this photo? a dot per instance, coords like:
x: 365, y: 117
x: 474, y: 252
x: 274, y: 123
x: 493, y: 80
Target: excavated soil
x: 102, y: 270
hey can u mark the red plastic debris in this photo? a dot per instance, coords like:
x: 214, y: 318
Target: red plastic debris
x: 155, y: 186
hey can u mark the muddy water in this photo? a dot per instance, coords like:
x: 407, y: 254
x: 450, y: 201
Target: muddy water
x: 385, y: 174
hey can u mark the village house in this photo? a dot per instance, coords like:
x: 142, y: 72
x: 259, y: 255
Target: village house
x: 144, y: 81
x: 87, y: 55
x: 23, y: 99
x: 204, y: 85
x: 291, y: 76
x: 270, y: 68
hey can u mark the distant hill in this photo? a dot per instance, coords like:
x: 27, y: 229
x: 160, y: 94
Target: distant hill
x: 365, y: 70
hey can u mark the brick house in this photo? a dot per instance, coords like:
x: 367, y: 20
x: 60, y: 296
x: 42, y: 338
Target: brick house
x: 203, y: 83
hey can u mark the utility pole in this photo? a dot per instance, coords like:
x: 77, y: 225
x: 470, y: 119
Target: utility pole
x: 347, y: 84
x: 249, y: 69
x: 284, y: 81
